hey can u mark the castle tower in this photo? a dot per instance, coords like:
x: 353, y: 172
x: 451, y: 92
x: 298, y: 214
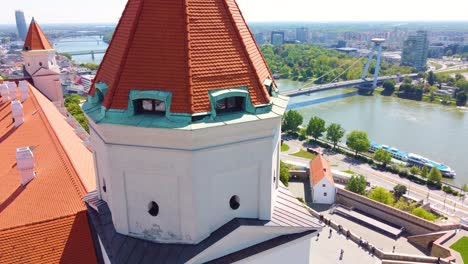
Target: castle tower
x: 185, y: 126
x: 40, y: 63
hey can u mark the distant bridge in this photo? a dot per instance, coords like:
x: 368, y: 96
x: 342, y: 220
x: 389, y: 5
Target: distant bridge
x: 85, y: 52
x: 336, y: 85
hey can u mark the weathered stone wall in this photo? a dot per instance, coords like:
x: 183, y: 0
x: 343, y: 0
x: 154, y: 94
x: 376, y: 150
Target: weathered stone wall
x: 412, y: 224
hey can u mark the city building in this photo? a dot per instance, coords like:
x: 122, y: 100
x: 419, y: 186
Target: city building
x: 259, y: 38
x: 277, y: 38
x: 415, y: 50
x: 86, y: 81
x: 323, y: 190
x: 21, y: 24
x: 302, y: 35
x: 40, y: 64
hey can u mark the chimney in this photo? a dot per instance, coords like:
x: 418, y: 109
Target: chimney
x: 24, y: 90
x: 12, y: 90
x: 17, y: 113
x: 4, y: 92
x: 25, y: 164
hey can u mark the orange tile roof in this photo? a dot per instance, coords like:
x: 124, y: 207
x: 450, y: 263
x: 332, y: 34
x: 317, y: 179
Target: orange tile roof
x: 42, y: 218
x: 184, y: 47
x: 319, y: 169
x: 36, y: 39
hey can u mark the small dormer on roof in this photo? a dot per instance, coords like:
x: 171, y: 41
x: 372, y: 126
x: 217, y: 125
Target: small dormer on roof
x: 36, y: 39
x: 184, y: 51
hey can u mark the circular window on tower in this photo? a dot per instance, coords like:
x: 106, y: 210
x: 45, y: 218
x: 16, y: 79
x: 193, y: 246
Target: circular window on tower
x: 153, y: 208
x: 234, y: 202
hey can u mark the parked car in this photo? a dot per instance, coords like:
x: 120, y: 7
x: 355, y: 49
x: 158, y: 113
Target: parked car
x: 313, y: 151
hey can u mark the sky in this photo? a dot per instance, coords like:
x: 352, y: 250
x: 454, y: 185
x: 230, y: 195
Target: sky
x: 109, y: 11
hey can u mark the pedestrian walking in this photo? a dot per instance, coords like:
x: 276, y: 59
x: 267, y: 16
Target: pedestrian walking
x: 318, y: 235
x: 330, y: 234
x: 393, y: 251
x: 341, y: 254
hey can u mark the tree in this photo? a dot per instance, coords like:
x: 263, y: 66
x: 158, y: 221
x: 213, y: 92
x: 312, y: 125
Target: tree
x: 461, y: 98
x: 399, y: 190
x: 380, y: 194
x: 291, y: 120
x: 357, y: 184
x: 383, y: 156
x: 284, y: 173
x: 91, y: 66
x: 415, y: 170
x: 424, y: 171
x: 431, y: 79
x: 435, y: 175
x: 335, y: 133
x: 421, y: 212
x: 464, y: 187
x: 404, y: 205
x: 358, y: 141
x: 316, y: 127
x: 389, y: 87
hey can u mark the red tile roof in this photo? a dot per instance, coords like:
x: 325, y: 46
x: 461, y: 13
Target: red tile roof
x: 319, y: 169
x: 184, y: 47
x: 36, y: 39
x: 41, y: 222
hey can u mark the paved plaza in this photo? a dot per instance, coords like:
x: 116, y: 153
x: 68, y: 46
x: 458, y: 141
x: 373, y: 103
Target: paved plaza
x: 327, y: 249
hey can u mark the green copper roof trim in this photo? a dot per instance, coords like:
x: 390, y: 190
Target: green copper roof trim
x: 100, y: 114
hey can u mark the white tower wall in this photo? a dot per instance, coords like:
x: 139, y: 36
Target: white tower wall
x: 36, y: 59
x: 190, y: 174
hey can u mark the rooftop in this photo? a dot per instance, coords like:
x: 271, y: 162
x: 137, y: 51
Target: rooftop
x: 44, y: 221
x: 36, y: 39
x: 186, y: 48
x: 319, y: 169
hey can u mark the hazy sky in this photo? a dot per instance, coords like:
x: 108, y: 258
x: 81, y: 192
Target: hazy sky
x: 78, y: 11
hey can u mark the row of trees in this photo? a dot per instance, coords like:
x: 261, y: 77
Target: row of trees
x: 358, y: 183
x: 316, y: 128
x: 304, y: 61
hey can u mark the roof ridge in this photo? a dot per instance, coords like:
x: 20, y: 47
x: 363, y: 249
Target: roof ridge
x: 189, y: 56
x: 40, y: 222
x: 252, y: 67
x: 256, y: 44
x: 76, y: 180
x: 127, y: 48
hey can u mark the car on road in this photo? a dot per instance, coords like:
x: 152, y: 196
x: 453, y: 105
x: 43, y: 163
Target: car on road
x: 313, y: 151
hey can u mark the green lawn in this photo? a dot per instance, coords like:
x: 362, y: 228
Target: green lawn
x: 454, y: 71
x: 461, y: 246
x: 284, y: 147
x: 436, y: 65
x: 349, y: 171
x: 304, y: 154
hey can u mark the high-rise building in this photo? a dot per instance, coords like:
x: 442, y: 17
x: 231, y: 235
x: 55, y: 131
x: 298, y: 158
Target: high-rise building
x: 21, y: 24
x: 415, y: 50
x: 277, y: 38
x: 259, y: 38
x: 302, y: 34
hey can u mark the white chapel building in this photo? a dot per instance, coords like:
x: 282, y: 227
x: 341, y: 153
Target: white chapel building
x: 322, y: 186
x: 185, y: 123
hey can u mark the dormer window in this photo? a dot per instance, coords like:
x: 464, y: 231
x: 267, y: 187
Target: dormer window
x: 150, y: 106
x: 230, y: 104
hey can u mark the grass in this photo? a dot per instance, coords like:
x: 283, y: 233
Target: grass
x: 454, y: 71
x: 304, y: 154
x: 461, y: 246
x: 284, y: 147
x: 349, y: 171
x: 436, y: 65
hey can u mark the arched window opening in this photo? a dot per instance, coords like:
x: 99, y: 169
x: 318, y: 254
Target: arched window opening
x: 234, y: 202
x: 150, y: 106
x: 230, y: 104
x: 153, y: 208
x: 40, y: 64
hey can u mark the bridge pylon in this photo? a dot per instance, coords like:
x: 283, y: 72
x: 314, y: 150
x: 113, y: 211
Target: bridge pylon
x: 377, y: 47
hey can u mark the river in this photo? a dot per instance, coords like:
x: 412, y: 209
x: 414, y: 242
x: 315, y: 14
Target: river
x: 434, y: 131
x: 86, y: 43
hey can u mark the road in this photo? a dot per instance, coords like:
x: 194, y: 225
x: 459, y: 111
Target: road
x: 449, y: 205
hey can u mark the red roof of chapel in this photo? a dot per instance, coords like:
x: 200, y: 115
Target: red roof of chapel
x: 187, y: 47
x: 36, y: 39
